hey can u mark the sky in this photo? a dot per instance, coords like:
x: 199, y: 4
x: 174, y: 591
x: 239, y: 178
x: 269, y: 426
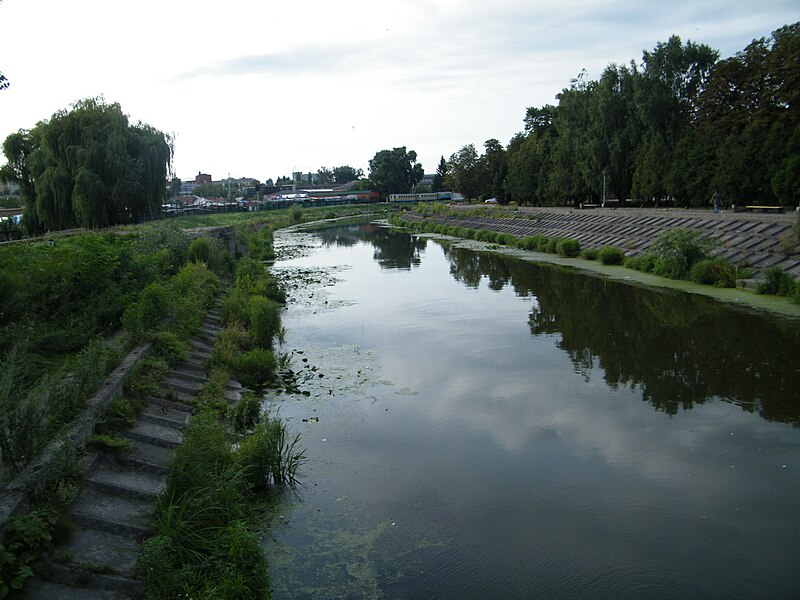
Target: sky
x: 263, y: 89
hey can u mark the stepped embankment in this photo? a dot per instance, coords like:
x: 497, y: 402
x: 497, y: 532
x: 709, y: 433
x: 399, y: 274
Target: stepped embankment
x: 755, y: 240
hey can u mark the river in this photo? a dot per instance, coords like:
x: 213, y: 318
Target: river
x: 477, y: 426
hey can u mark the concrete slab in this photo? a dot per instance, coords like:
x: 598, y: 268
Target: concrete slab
x: 155, y: 434
x: 150, y: 454
x: 104, y: 551
x: 98, y: 509
x: 114, y: 479
x: 46, y: 590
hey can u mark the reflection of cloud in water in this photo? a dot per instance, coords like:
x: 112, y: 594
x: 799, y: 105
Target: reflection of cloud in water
x: 593, y: 420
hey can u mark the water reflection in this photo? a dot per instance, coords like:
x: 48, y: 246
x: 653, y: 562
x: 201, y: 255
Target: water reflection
x: 393, y: 249
x: 678, y: 349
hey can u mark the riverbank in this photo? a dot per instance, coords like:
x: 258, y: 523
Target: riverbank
x: 743, y: 298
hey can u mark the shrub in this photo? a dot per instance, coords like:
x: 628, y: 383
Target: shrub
x: 677, y: 250
x: 507, y: 239
x: 271, y: 454
x: 264, y: 317
x: 776, y: 282
x: 568, y: 248
x: 245, y: 413
x: 590, y: 253
x: 296, y: 213
x: 170, y: 347
x: 611, y: 255
x: 540, y: 242
x: 233, y: 308
x: 644, y: 263
x: 552, y: 245
x: 491, y: 237
x: 255, y: 367
x: 143, y: 316
x: 714, y: 271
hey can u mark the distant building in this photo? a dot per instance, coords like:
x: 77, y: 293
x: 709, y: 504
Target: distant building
x: 202, y: 178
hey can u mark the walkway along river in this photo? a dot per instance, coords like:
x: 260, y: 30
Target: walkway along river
x: 482, y: 427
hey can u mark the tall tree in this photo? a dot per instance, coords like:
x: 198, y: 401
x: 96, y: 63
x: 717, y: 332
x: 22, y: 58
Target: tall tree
x: 464, y: 174
x: 346, y: 174
x: 395, y: 171
x: 438, y: 183
x: 89, y: 166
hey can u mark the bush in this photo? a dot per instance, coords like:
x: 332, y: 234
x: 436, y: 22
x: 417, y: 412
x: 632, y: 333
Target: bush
x: 776, y: 282
x: 677, y: 250
x: 145, y: 315
x: 507, y: 239
x: 714, y: 271
x: 264, y: 317
x: 568, y: 248
x: 245, y: 413
x: 271, y: 455
x: 590, y: 253
x: 611, y: 255
x: 296, y: 214
x: 644, y: 263
x: 552, y: 245
x: 255, y: 367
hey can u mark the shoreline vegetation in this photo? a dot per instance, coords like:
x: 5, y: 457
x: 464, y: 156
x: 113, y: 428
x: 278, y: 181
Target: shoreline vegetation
x: 126, y: 284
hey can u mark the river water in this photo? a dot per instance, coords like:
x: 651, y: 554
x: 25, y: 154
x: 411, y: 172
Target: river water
x: 477, y: 426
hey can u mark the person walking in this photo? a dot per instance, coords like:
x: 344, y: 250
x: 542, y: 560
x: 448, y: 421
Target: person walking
x: 715, y: 201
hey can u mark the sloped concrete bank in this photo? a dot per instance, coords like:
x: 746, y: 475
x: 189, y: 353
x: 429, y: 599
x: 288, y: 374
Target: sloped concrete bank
x: 755, y: 240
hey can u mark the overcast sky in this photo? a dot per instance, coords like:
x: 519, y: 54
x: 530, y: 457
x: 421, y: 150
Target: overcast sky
x: 261, y: 89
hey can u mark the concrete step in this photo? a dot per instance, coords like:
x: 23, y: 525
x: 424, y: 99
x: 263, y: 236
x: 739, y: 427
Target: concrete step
x: 161, y: 414
x: 98, y: 509
x: 39, y: 589
x: 154, y: 433
x: 148, y: 457
x: 199, y: 345
x: 197, y: 357
x: 128, y: 483
x: 173, y: 406
x: 102, y: 551
x: 190, y: 374
x: 183, y: 385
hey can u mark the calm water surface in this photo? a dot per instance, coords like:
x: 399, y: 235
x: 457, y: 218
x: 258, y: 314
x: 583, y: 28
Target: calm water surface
x: 481, y: 427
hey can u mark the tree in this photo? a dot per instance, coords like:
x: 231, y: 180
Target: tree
x: 324, y: 176
x: 90, y: 167
x: 346, y: 174
x: 464, y: 173
x: 493, y: 169
x: 395, y: 171
x: 438, y: 183
x: 4, y: 83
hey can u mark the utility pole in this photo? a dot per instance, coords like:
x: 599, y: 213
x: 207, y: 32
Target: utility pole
x: 604, y: 188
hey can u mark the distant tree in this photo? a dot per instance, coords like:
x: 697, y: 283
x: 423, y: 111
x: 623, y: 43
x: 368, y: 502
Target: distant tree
x: 346, y: 174
x: 324, y: 176
x: 175, y: 186
x: 395, y: 171
x: 210, y: 190
x: 283, y: 180
x: 493, y: 169
x: 438, y: 183
x: 4, y: 83
x: 464, y: 172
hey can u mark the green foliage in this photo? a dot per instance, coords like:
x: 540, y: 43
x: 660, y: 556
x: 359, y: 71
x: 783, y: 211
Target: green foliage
x: 271, y: 455
x: 677, y: 250
x: 255, y: 367
x: 644, y: 263
x: 143, y: 317
x: 296, y: 213
x: 568, y: 247
x: 590, y: 253
x: 88, y: 166
x: 714, y: 271
x: 776, y: 282
x: 611, y: 255
x: 26, y: 538
x: 551, y: 247
x: 245, y: 413
x: 169, y: 346
x: 264, y: 317
x: 112, y: 444
x: 395, y: 171
x: 202, y: 545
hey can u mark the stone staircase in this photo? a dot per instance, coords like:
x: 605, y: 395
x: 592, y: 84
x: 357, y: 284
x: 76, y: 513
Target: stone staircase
x: 113, y: 509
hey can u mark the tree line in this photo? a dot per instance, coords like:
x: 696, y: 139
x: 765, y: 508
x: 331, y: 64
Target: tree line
x: 676, y: 126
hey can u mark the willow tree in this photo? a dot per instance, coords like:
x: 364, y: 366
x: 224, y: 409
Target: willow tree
x: 88, y: 166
